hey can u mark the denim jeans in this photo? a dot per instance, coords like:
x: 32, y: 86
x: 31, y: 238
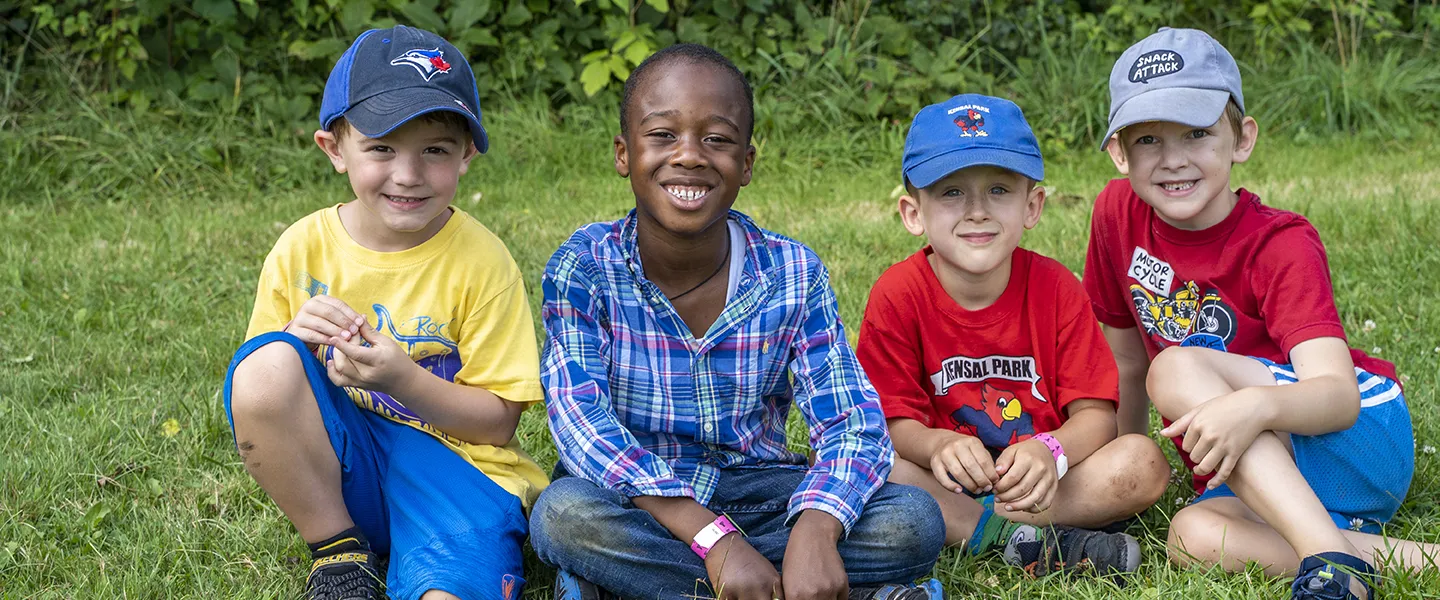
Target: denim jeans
x: 600, y: 535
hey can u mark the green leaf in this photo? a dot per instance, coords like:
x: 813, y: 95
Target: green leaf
x: 517, y: 14
x: 96, y: 515
x: 215, y: 11
x: 1260, y: 11
x: 619, y: 67
x: 637, y: 52
x: 356, y: 14
x: 660, y: 5
x: 423, y: 16
x: 480, y: 36
x: 594, y: 77
x: 467, y: 13
x: 726, y: 9
x: 326, y: 48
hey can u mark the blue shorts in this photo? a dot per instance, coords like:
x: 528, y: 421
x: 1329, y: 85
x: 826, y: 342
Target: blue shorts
x: 443, y: 523
x: 1361, y: 474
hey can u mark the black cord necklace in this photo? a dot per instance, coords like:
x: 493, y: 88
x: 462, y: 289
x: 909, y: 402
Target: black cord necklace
x: 723, y: 262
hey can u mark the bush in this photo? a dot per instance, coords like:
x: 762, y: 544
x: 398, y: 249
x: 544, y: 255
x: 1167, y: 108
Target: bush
x: 1320, y: 65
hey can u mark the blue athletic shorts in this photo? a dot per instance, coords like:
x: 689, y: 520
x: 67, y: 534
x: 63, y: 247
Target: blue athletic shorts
x: 1360, y: 474
x: 443, y: 523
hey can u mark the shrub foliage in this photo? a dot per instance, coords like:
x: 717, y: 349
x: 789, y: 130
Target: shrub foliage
x: 818, y: 62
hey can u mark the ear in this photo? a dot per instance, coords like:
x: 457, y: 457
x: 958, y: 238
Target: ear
x: 1034, y: 205
x: 749, y: 165
x: 910, y: 215
x: 622, y: 158
x: 327, y: 141
x: 1249, y: 133
x: 470, y: 153
x: 1117, y: 155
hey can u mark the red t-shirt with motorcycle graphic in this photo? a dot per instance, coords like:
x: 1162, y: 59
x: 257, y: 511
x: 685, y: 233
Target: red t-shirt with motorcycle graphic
x: 1255, y: 284
x: 1002, y: 373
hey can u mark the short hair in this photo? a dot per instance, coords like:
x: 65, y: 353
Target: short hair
x: 450, y: 119
x: 690, y: 53
x: 1235, y: 116
x: 914, y: 192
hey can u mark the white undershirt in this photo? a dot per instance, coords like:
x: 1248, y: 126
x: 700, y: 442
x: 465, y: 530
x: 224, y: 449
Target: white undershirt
x: 737, y: 258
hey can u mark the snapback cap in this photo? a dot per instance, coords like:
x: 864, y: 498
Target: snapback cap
x: 389, y: 76
x: 966, y: 131
x: 1177, y: 75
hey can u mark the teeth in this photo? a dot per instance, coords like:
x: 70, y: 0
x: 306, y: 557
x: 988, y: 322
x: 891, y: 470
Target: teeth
x: 403, y: 199
x: 1176, y: 187
x: 688, y: 193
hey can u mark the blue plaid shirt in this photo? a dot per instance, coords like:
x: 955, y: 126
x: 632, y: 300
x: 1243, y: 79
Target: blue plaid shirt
x: 637, y: 404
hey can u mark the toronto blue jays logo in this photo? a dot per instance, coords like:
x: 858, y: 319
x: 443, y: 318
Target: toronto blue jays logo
x: 427, y: 62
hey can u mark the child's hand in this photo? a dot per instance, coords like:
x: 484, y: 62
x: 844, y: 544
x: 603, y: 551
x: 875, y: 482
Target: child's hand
x: 739, y: 572
x: 964, y: 462
x: 813, y: 567
x: 1029, y: 477
x: 1217, y: 433
x: 382, y: 366
x: 323, y: 317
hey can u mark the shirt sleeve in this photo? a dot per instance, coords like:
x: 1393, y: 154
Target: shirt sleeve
x: 889, y: 351
x: 272, y: 299
x: 1104, y: 281
x: 497, y: 346
x: 589, y: 438
x: 853, y: 453
x: 1291, y: 281
x: 1086, y: 369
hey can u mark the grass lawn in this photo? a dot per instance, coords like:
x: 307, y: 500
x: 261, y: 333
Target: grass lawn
x: 129, y: 250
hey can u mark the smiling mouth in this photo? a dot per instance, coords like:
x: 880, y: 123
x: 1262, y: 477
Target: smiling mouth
x: 688, y: 196
x: 405, y: 201
x: 978, y: 238
x: 1178, y: 186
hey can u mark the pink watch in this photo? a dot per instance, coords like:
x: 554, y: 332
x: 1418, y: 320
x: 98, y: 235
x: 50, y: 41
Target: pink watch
x: 1062, y: 464
x: 711, y: 534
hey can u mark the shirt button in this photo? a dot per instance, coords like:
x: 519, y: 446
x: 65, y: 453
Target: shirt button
x: 709, y: 428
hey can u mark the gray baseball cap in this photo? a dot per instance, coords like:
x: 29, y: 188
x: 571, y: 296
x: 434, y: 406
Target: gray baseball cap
x: 1177, y: 75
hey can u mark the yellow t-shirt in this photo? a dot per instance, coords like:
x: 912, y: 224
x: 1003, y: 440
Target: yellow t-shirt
x: 456, y: 303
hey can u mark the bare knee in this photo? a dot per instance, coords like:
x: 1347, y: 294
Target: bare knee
x: 1197, y: 536
x: 267, y: 385
x: 1171, y: 375
x: 1145, y: 474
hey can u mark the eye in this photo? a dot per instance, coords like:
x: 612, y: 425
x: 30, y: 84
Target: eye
x: 717, y: 139
x: 379, y: 148
x: 1145, y: 139
x: 1196, y: 134
x: 998, y: 190
x: 437, y: 150
x: 952, y: 193
x: 660, y: 134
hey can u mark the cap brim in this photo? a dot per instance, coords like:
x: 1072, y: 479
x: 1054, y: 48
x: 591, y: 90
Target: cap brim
x: 927, y: 173
x: 380, y: 114
x: 1194, y: 107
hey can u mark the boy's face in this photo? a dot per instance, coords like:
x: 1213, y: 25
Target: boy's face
x: 403, y: 182
x: 685, y: 154
x: 973, y: 217
x: 1183, y: 172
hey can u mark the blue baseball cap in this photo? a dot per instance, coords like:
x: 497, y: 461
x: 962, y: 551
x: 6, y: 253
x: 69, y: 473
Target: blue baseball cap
x: 389, y: 76
x: 1176, y: 75
x: 966, y: 131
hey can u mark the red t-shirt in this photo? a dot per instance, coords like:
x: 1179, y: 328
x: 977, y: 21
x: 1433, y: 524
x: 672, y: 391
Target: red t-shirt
x: 1002, y: 373
x: 1256, y: 284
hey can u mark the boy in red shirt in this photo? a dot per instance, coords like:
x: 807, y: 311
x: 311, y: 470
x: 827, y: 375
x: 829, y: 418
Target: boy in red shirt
x: 1298, y: 443
x: 995, y: 379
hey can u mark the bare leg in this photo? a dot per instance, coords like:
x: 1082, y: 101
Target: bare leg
x: 1118, y: 481
x: 1121, y: 479
x: 1224, y: 531
x: 1266, y: 478
x: 283, y: 442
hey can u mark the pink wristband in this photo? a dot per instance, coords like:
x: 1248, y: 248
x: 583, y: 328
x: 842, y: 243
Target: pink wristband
x: 1050, y: 442
x: 711, y: 534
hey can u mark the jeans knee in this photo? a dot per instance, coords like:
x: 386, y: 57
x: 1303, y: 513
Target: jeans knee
x: 268, y: 383
x: 571, y: 516
x: 905, y: 525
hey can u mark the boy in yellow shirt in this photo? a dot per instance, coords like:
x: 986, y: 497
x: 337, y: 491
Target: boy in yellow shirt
x: 391, y: 348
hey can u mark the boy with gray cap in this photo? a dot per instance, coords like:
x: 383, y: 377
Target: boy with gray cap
x: 1220, y: 310
x: 390, y: 350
